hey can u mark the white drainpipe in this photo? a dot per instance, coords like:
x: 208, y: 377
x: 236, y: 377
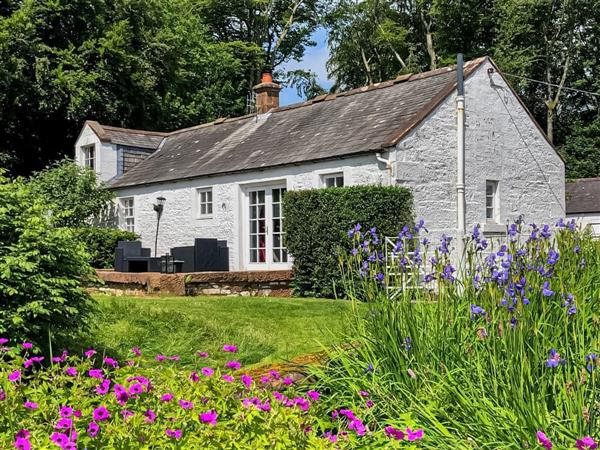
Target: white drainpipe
x: 388, y: 166
x: 460, y: 141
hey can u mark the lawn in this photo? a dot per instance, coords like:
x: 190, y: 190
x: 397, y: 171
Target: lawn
x: 264, y: 329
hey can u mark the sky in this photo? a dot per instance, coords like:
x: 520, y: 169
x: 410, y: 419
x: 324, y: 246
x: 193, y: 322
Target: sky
x: 314, y: 59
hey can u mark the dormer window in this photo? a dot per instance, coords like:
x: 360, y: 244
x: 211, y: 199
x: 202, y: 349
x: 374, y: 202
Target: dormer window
x: 89, y: 156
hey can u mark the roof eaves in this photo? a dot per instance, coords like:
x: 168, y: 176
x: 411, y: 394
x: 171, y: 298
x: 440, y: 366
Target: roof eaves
x: 98, y: 130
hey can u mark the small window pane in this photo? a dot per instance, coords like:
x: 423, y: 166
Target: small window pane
x: 205, y: 206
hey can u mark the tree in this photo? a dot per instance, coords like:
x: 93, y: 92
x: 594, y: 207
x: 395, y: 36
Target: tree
x: 543, y: 40
x: 73, y: 193
x: 305, y: 82
x: 281, y: 28
x: 582, y: 151
x: 136, y: 63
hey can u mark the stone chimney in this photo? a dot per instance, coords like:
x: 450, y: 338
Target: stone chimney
x: 267, y: 92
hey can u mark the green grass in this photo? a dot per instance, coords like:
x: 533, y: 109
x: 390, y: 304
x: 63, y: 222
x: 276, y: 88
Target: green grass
x: 265, y: 329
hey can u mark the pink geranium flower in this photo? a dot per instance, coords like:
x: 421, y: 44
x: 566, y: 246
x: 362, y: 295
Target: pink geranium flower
x: 235, y: 365
x: 27, y: 345
x: 89, y: 353
x: 414, y: 435
x: 22, y: 444
x: 101, y: 414
x: 150, y: 416
x: 207, y: 371
x: 175, y: 434
x: 96, y: 373
x: 203, y: 354
x: 246, y: 380
x: 543, y: 440
x: 313, y: 395
x: 14, y: 376
x: 586, y: 443
x: 66, y: 411
x: 394, y: 433
x: 30, y: 405
x: 209, y: 417
x: 166, y: 397
x: 230, y: 348
x: 93, y: 429
x: 227, y: 378
x: 186, y: 404
x: 136, y: 351
x: 71, y: 371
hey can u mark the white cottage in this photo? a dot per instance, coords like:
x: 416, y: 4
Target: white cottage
x: 225, y: 179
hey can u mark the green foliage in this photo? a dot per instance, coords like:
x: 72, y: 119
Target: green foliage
x: 73, y: 193
x: 142, y: 64
x: 582, y: 151
x: 471, y: 358
x: 41, y: 268
x: 101, y: 243
x: 317, y: 222
x: 245, y: 413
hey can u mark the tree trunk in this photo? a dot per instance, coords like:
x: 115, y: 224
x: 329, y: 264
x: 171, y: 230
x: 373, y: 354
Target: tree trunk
x: 431, y: 50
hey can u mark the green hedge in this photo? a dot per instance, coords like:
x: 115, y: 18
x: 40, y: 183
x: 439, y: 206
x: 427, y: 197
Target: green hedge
x: 317, y: 222
x: 101, y: 242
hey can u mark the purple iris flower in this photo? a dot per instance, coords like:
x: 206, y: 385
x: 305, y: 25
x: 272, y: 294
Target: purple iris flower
x: 546, y: 291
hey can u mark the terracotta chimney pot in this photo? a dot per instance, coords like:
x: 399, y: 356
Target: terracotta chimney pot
x: 267, y: 93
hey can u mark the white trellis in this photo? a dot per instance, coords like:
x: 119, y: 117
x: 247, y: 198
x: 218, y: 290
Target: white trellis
x: 401, y: 276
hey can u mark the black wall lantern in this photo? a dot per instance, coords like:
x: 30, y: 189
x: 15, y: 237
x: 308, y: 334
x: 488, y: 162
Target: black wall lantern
x: 159, y: 206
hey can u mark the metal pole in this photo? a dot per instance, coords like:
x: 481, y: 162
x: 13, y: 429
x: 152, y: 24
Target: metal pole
x: 460, y: 141
x: 156, y: 237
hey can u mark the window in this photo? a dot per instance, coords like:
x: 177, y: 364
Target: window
x: 89, y: 156
x: 333, y: 180
x: 205, y: 203
x: 127, y: 207
x: 491, y: 201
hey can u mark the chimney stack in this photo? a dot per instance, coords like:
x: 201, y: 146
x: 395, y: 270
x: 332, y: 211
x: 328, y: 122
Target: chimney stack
x: 267, y: 92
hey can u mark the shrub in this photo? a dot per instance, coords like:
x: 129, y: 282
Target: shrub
x: 93, y: 402
x: 101, y: 242
x: 40, y: 269
x: 503, y: 354
x: 73, y: 193
x: 316, y: 222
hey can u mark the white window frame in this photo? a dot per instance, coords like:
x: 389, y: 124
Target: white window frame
x: 89, y: 161
x: 333, y: 177
x: 202, y: 195
x: 492, y: 201
x: 127, y: 205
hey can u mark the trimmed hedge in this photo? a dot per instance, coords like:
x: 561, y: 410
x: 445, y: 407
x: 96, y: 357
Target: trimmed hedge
x: 317, y: 222
x: 101, y: 242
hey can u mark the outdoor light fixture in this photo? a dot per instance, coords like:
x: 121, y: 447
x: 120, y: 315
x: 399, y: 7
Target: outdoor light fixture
x: 159, y: 206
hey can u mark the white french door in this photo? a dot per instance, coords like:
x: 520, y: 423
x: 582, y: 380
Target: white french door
x: 265, y: 239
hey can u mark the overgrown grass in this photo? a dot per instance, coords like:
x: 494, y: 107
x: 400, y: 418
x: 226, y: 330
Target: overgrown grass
x: 472, y: 361
x: 265, y: 329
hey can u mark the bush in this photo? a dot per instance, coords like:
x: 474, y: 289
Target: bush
x: 73, y: 193
x: 95, y: 403
x: 41, y: 267
x: 485, y: 358
x: 317, y: 221
x: 101, y: 242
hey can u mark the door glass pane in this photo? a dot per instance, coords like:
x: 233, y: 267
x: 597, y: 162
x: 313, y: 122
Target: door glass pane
x: 257, y: 227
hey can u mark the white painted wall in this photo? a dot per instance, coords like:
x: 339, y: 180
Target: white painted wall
x: 180, y: 224
x: 106, y: 154
x: 588, y: 219
x: 501, y: 144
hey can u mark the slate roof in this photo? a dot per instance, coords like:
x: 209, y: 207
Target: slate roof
x: 330, y: 126
x: 126, y: 136
x: 583, y: 196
